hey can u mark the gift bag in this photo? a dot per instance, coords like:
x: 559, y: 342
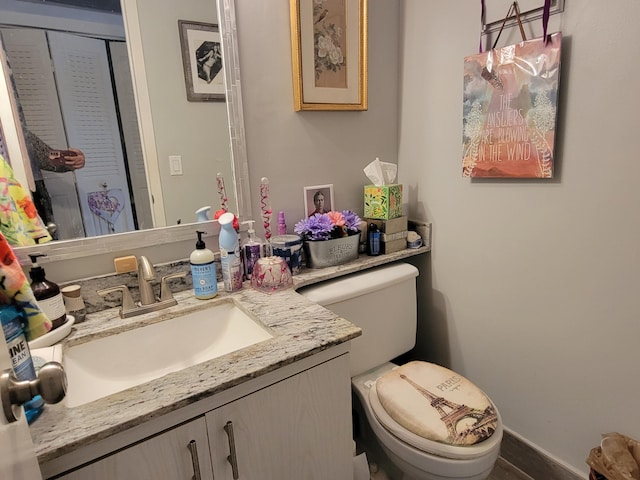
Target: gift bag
x: 510, y: 109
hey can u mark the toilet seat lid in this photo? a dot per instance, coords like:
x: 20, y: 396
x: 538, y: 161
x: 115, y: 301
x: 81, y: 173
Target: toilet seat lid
x: 422, y: 403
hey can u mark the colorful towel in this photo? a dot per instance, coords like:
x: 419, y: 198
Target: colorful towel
x: 19, y: 220
x: 15, y: 289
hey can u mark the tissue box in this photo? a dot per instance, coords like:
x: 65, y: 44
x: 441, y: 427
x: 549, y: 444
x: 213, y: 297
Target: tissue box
x: 383, y: 202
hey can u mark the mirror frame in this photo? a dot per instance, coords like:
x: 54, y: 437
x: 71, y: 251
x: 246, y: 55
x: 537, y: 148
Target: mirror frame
x: 87, y: 247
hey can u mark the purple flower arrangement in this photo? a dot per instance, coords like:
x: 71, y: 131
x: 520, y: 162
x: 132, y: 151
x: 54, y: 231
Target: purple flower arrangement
x: 326, y: 226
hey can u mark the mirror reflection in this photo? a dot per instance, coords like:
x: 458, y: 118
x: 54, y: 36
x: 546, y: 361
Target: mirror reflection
x: 75, y: 78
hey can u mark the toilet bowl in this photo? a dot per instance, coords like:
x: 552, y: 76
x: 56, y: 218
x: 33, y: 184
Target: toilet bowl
x: 432, y: 423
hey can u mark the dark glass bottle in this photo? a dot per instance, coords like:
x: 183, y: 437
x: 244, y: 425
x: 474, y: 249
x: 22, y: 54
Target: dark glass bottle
x: 47, y: 294
x: 373, y: 240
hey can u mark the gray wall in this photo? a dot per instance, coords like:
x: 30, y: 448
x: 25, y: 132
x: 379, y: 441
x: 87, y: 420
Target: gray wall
x: 297, y: 149
x: 534, y: 284
x: 196, y: 131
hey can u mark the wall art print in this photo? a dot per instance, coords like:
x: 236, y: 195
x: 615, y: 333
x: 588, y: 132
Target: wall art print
x: 510, y: 110
x: 202, y: 61
x: 329, y: 54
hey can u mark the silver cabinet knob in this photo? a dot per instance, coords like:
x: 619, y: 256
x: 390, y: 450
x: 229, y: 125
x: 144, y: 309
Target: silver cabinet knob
x: 51, y: 385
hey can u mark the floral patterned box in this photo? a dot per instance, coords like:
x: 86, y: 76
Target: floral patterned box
x: 383, y: 202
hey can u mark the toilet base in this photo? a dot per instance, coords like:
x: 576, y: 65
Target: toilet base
x: 380, y: 465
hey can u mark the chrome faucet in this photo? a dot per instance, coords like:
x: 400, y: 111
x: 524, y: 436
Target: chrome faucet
x: 148, y: 300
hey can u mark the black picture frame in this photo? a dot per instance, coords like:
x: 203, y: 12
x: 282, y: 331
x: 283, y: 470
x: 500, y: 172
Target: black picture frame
x: 202, y: 61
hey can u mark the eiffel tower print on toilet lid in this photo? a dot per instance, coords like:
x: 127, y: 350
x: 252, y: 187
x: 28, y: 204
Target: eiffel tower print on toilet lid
x: 421, y: 400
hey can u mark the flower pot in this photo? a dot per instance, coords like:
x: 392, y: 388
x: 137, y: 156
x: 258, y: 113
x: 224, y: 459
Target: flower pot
x: 328, y: 253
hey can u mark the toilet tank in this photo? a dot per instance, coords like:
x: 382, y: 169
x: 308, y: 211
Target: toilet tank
x: 382, y: 302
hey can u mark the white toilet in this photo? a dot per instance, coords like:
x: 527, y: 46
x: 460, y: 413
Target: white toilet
x: 431, y: 422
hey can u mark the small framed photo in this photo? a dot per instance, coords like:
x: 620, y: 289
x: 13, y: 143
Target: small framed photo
x: 202, y: 61
x: 318, y: 199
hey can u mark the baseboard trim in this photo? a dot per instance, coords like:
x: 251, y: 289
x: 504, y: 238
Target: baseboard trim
x: 532, y: 461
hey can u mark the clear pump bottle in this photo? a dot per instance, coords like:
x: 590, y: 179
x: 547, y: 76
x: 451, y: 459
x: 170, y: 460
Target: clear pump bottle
x: 252, y: 250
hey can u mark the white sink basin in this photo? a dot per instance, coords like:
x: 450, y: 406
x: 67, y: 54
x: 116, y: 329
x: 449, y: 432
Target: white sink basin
x: 108, y: 365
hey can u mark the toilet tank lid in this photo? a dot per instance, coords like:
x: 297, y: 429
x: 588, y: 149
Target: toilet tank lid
x: 357, y: 284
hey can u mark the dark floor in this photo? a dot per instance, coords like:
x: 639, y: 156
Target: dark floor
x: 505, y: 471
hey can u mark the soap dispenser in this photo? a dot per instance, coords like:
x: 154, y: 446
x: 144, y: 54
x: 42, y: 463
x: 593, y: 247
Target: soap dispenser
x: 203, y: 270
x: 252, y: 250
x: 48, y: 295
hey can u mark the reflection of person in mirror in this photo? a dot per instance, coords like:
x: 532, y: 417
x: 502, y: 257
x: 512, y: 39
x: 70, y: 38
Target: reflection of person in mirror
x: 319, y: 203
x: 209, y: 59
x: 43, y: 157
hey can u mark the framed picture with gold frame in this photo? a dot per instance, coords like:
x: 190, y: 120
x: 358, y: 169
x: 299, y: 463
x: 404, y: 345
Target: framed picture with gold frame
x: 329, y: 54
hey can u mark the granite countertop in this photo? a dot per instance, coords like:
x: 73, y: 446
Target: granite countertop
x: 300, y: 327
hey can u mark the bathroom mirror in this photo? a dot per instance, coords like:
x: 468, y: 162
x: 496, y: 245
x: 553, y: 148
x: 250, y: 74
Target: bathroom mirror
x: 139, y: 26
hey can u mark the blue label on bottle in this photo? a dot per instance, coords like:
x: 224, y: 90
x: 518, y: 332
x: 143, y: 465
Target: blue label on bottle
x: 21, y: 358
x: 205, y: 282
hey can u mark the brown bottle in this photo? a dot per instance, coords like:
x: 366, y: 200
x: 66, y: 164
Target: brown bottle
x: 47, y: 294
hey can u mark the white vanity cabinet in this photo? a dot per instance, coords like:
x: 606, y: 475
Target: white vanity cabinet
x: 298, y: 427
x: 169, y: 455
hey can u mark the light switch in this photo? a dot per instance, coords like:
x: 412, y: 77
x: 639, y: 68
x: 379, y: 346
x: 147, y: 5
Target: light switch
x: 175, y: 164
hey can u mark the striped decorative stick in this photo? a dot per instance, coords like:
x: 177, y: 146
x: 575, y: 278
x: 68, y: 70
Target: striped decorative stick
x: 222, y: 192
x: 265, y: 207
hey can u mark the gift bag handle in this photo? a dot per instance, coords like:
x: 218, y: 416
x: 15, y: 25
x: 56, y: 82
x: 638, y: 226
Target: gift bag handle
x: 514, y: 9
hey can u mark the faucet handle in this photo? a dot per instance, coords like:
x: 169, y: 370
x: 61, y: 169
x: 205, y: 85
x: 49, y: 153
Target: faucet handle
x: 165, y: 291
x: 127, y: 301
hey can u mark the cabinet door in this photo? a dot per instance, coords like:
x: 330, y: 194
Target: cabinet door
x: 164, y: 456
x: 299, y: 428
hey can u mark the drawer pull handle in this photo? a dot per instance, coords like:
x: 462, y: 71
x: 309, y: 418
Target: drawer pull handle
x: 193, y: 449
x: 232, y: 459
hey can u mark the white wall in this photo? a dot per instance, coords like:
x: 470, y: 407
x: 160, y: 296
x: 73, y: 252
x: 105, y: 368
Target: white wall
x: 535, y: 284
